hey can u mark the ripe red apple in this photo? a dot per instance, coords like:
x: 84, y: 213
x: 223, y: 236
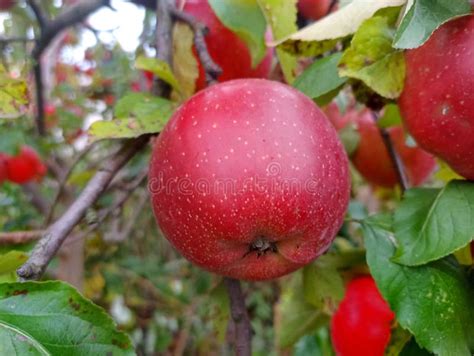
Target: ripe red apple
x: 436, y: 103
x: 314, y: 9
x: 225, y: 48
x: 6, y: 4
x: 371, y: 157
x: 362, y: 322
x: 3, y: 167
x: 249, y: 180
x: 25, y: 166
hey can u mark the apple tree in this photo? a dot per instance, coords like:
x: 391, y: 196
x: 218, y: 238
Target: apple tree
x: 249, y: 177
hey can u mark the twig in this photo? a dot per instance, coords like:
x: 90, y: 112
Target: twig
x: 243, y: 329
x: 211, y: 68
x: 71, y: 16
x: 55, y: 235
x: 116, y: 205
x: 396, y: 161
x: 6, y: 40
x: 19, y: 237
x: 39, y: 14
x: 49, y: 30
x: 331, y: 6
x: 62, y: 182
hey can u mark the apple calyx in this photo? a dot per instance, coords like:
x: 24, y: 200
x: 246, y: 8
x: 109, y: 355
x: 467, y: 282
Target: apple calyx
x: 261, y: 246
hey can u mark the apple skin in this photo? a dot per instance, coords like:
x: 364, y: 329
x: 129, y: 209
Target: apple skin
x: 25, y: 166
x: 6, y: 4
x: 362, y: 322
x: 314, y: 9
x: 228, y: 151
x: 436, y: 103
x: 371, y: 157
x: 225, y: 48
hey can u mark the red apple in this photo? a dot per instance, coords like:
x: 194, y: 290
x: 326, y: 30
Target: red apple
x: 25, y: 166
x: 226, y: 48
x: 314, y: 9
x: 3, y: 167
x: 249, y: 180
x: 361, y: 325
x: 371, y: 157
x: 436, y: 103
x: 6, y: 4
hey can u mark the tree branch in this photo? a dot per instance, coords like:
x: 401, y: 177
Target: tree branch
x: 38, y: 12
x: 211, y: 68
x: 49, y: 30
x: 19, y: 237
x: 243, y: 329
x: 55, y: 235
x: 62, y: 183
x: 396, y: 161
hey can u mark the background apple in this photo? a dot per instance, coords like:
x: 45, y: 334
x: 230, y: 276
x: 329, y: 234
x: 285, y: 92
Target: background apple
x: 314, y: 9
x: 247, y: 190
x: 6, y: 4
x: 436, y: 102
x: 371, y: 157
x: 25, y: 166
x: 226, y: 48
x: 362, y: 322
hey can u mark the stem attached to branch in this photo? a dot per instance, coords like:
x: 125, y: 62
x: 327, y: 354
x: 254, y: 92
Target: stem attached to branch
x: 55, y: 235
x: 396, y: 161
x: 243, y: 329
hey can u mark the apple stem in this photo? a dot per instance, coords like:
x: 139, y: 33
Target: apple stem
x: 243, y: 328
x: 396, y: 161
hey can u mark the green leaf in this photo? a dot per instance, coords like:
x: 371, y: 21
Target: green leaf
x: 13, y: 95
x: 295, y: 317
x: 185, y: 64
x: 431, y: 223
x: 159, y: 68
x: 412, y: 349
x: 281, y: 16
x: 322, y: 283
x: 52, y: 318
x: 136, y: 114
x: 424, y: 17
x: 391, y: 117
x: 371, y: 58
x: 320, y: 77
x: 324, y: 34
x: 245, y: 18
x: 435, y: 302
x: 11, y: 260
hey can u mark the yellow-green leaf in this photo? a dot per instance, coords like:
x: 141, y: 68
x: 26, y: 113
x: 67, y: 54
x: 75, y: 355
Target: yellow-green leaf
x: 159, y: 68
x: 372, y: 59
x: 281, y: 16
x: 184, y: 62
x: 13, y: 95
x: 321, y: 36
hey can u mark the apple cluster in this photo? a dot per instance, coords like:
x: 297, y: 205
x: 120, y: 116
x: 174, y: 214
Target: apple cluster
x: 22, y: 168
